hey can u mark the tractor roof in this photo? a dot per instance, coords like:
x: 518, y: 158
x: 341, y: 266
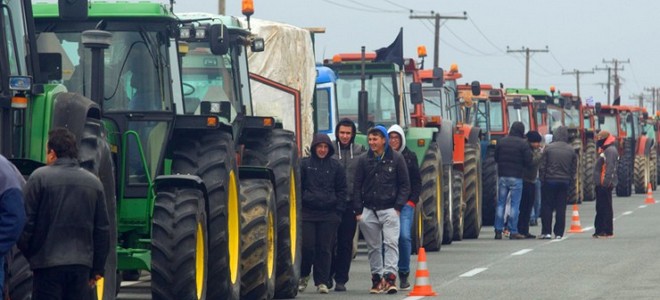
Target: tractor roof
x: 120, y: 9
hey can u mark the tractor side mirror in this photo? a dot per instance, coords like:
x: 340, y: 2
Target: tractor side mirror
x: 542, y: 107
x: 416, y: 96
x: 50, y: 66
x: 645, y: 115
x: 562, y: 102
x: 598, y: 107
x: 438, y: 77
x: 517, y: 103
x: 219, y: 39
x: 476, y: 88
x: 73, y: 10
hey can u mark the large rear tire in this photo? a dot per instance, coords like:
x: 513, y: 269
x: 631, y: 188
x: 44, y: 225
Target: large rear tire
x: 639, y: 174
x: 653, y: 164
x: 624, y: 170
x: 212, y: 158
x: 575, y: 186
x: 278, y: 150
x: 589, y: 163
x: 472, y: 177
x: 489, y: 191
x: 259, y: 239
x: 448, y: 200
x: 458, y: 203
x: 429, y: 211
x: 178, y: 245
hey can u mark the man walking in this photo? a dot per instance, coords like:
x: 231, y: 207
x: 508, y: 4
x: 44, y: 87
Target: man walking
x: 381, y: 190
x: 530, y: 176
x: 398, y: 143
x: 347, y: 152
x: 12, y: 211
x: 512, y: 155
x: 66, y: 236
x: 557, y: 170
x: 605, y: 179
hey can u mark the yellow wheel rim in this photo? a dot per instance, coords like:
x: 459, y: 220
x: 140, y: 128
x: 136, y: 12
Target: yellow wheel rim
x: 271, y: 244
x: 234, y: 227
x: 293, y: 214
x: 199, y: 261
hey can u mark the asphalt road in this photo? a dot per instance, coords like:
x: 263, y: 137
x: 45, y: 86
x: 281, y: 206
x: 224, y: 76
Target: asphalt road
x: 576, y: 267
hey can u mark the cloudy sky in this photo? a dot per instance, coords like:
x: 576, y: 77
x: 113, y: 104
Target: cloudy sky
x: 579, y: 35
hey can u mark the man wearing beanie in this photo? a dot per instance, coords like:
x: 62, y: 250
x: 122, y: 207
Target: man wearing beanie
x: 380, y: 191
x: 605, y: 179
x: 530, y: 175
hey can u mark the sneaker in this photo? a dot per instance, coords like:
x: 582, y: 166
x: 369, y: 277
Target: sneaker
x: 558, y: 237
x: 545, y: 237
x: 498, y: 235
x: 595, y: 235
x: 330, y: 284
x: 302, y: 284
x: 322, y: 289
x: 506, y: 233
x: 376, y: 284
x: 390, y: 283
x: 340, y: 287
x: 403, y: 281
x: 516, y: 236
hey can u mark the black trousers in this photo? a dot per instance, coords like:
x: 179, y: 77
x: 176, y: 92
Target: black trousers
x: 604, y: 223
x: 526, y: 205
x: 61, y: 283
x: 342, y: 257
x: 318, y: 242
x: 554, y: 198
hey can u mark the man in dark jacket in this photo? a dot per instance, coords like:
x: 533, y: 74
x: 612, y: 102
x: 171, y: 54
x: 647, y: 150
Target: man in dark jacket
x: 398, y: 143
x: 381, y: 189
x: 530, y: 175
x: 605, y: 179
x: 12, y: 211
x: 347, y: 153
x: 66, y: 236
x: 323, y: 203
x: 557, y: 170
x: 512, y: 155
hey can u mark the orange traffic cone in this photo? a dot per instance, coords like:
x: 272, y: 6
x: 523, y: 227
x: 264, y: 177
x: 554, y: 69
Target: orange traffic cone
x: 575, y: 221
x: 649, y: 195
x: 422, y: 281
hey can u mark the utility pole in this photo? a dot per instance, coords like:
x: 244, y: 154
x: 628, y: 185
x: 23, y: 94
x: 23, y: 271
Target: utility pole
x: 221, y: 7
x: 640, y: 99
x: 527, y: 52
x: 654, y: 97
x: 617, y: 81
x: 437, y: 17
x: 577, y: 74
x: 609, y: 79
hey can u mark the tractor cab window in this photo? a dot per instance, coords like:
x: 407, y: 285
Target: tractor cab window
x: 14, y: 36
x: 554, y: 118
x: 572, y: 117
x: 494, y: 118
x: 521, y: 115
x: 323, y: 109
x: 433, y: 101
x: 635, y: 124
x: 610, y: 124
x: 382, y: 99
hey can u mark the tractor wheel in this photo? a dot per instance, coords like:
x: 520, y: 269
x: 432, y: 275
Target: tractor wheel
x: 653, y: 164
x: 588, y: 165
x: 277, y: 150
x: 458, y: 205
x: 429, y: 211
x: 472, y: 177
x: 624, y: 170
x: 448, y: 200
x: 639, y: 174
x: 212, y: 158
x: 575, y: 186
x: 259, y: 239
x: 19, y: 276
x: 489, y: 188
x: 178, y: 245
x: 96, y: 157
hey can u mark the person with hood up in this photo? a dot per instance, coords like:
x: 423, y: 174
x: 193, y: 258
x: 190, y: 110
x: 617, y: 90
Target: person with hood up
x: 530, y: 176
x: 605, y: 179
x: 557, y: 170
x: 512, y: 155
x: 323, y: 202
x: 347, y: 153
x: 380, y: 191
x: 398, y: 143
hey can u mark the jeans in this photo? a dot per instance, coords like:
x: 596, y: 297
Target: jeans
x: 405, y: 240
x: 536, y: 211
x: 508, y: 185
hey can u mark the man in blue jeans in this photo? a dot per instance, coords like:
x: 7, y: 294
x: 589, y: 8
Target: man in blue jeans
x: 398, y: 143
x: 512, y: 155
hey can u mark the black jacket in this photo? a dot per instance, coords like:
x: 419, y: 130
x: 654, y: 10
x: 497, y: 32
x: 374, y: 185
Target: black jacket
x: 559, y: 160
x: 324, y: 190
x: 513, y: 153
x: 67, y: 220
x: 606, y: 164
x: 381, y: 183
x: 413, y: 174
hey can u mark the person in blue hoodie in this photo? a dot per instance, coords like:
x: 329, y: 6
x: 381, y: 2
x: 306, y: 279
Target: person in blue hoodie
x: 380, y: 191
x: 12, y: 210
x: 323, y: 203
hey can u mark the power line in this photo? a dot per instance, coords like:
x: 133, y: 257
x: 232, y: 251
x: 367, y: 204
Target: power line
x: 577, y: 74
x: 354, y: 8
x: 398, y: 5
x: 467, y: 44
x: 484, y: 36
x: 377, y: 8
x: 437, y: 17
x: 549, y: 73
x: 528, y: 52
x: 556, y: 60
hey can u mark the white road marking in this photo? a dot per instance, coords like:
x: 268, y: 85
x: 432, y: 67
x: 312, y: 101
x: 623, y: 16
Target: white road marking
x: 129, y: 283
x: 626, y: 213
x: 413, y: 298
x: 642, y: 206
x: 521, y: 252
x: 473, y: 272
x: 587, y: 229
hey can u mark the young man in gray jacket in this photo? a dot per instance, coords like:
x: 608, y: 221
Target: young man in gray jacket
x: 557, y: 170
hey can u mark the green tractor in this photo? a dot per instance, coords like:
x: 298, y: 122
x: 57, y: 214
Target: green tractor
x: 32, y: 102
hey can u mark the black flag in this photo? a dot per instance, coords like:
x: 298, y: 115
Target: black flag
x: 617, y: 101
x: 392, y: 53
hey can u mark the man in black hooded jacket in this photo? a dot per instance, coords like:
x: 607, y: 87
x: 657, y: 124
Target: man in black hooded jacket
x: 323, y: 202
